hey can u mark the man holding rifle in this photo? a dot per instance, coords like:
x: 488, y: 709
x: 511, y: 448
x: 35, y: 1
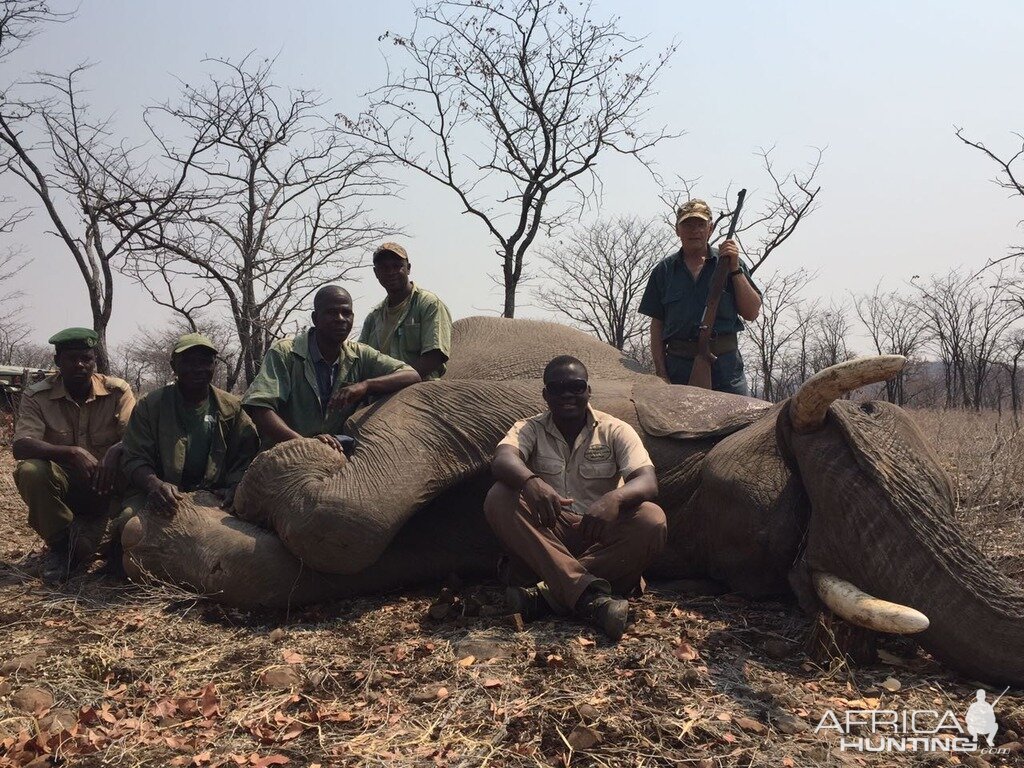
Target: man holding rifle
x: 676, y: 297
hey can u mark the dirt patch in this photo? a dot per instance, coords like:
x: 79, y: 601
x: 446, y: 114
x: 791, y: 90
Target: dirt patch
x: 152, y: 677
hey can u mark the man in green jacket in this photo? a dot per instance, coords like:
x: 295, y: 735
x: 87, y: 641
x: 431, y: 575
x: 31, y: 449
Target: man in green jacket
x: 411, y: 324
x: 186, y: 436
x: 310, y: 384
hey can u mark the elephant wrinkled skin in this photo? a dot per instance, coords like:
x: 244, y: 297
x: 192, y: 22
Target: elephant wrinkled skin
x: 758, y: 496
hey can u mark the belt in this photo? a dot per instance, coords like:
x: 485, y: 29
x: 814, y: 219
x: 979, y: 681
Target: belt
x: 725, y: 342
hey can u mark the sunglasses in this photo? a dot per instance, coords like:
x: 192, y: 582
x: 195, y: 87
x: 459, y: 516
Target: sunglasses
x: 569, y: 386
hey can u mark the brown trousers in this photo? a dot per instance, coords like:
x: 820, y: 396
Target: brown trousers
x: 563, y: 559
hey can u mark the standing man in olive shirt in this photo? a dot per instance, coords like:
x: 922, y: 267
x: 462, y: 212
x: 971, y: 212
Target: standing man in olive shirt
x: 411, y: 324
x: 310, y: 384
x: 67, y: 446
x: 186, y: 436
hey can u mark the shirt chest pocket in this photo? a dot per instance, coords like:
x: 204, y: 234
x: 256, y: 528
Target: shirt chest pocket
x: 598, y: 470
x: 411, y: 334
x: 105, y: 435
x: 549, y: 465
x: 59, y: 436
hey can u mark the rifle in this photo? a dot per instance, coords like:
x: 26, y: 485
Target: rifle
x: 700, y: 374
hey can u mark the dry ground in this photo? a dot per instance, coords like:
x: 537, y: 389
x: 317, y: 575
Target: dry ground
x: 123, y: 675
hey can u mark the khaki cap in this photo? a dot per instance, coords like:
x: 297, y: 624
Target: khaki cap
x: 190, y: 340
x: 694, y: 209
x: 389, y: 247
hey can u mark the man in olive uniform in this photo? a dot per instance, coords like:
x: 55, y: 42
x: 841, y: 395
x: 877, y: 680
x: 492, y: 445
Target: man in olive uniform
x: 411, y: 324
x: 677, y: 292
x: 573, y: 503
x: 310, y: 384
x: 186, y: 436
x: 68, y: 426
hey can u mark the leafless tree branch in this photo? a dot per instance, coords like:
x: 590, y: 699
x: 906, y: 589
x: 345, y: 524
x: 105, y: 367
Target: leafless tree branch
x: 509, y: 105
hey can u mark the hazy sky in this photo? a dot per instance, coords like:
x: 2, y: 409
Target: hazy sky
x: 880, y: 84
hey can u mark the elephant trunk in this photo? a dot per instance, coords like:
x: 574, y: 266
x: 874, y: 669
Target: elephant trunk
x: 339, y: 517
x: 882, y: 519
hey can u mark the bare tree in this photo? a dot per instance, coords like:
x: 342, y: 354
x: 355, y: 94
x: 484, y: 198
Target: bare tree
x: 1010, y: 176
x: 791, y: 197
x: 271, y: 205
x: 20, y: 21
x: 70, y: 165
x: 509, y: 105
x: 12, y: 330
x: 597, y: 274
x: 968, y: 317
x: 897, y: 325
x: 1012, y: 353
x: 780, y: 323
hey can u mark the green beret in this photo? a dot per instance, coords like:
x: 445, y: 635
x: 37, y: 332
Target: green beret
x: 189, y: 340
x: 74, y: 338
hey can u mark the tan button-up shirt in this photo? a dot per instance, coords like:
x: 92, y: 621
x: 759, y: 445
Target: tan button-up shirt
x: 605, y: 453
x: 48, y: 413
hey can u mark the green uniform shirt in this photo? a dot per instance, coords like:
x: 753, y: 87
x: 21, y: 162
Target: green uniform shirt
x: 678, y: 300
x: 157, y: 437
x: 425, y: 325
x: 287, y: 383
x: 197, y: 422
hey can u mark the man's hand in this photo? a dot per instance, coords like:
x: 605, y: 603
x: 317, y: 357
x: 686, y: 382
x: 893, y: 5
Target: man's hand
x: 731, y: 251
x: 332, y: 441
x: 601, y: 514
x: 163, y: 497
x: 103, y: 478
x: 227, y: 497
x: 349, y: 395
x: 79, y: 462
x: 105, y: 474
x: 544, y: 502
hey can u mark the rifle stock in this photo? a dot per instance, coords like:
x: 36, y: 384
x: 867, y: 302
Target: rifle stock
x: 700, y: 373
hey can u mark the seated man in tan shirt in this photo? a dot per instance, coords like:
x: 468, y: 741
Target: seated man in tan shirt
x: 64, y: 440
x: 573, y: 503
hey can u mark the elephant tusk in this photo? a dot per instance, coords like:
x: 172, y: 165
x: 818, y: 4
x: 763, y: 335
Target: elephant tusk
x: 809, y: 405
x: 860, y: 608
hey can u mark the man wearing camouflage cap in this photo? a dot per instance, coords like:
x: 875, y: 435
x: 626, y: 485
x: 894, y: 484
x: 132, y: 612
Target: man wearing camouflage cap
x: 186, y: 436
x: 411, y: 324
x: 677, y: 292
x: 67, y: 445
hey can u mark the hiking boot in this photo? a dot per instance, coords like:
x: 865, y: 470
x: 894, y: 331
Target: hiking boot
x: 528, y: 602
x: 606, y: 612
x: 55, y: 567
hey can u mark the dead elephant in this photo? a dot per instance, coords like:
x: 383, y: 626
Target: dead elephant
x: 813, y: 496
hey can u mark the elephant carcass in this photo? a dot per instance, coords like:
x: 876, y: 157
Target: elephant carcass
x: 766, y: 498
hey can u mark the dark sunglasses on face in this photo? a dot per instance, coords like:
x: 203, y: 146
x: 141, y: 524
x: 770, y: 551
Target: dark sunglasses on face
x: 570, y: 386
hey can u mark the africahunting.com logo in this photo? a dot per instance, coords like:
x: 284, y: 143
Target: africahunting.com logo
x: 917, y: 730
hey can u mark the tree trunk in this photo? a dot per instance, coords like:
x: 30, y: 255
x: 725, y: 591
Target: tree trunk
x: 102, y: 354
x: 510, y: 297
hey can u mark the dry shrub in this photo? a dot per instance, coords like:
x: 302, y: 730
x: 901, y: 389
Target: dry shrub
x: 984, y: 456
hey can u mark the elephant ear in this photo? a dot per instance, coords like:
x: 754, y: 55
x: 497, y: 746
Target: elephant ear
x: 691, y: 413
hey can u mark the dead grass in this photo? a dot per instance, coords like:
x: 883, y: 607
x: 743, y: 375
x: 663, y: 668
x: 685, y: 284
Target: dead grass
x: 154, y: 677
